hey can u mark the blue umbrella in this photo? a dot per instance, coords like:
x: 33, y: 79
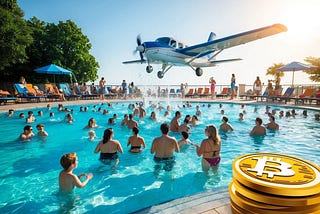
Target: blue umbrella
x: 53, y: 69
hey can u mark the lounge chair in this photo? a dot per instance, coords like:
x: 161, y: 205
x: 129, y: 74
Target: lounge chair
x: 178, y: 92
x: 84, y: 94
x: 206, y: 93
x: 111, y: 93
x: 68, y: 94
x: 172, y: 93
x: 198, y: 92
x: 223, y: 93
x: 53, y: 92
x: 285, y: 96
x: 307, y: 95
x: 190, y: 93
x: 24, y: 94
x: 5, y: 96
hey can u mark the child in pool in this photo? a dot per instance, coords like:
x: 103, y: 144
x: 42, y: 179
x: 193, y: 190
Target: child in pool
x: 68, y: 180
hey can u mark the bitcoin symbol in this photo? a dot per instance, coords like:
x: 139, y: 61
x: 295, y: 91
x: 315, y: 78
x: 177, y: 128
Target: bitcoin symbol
x: 282, y: 166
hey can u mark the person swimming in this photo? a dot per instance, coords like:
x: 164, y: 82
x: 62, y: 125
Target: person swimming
x: 109, y: 148
x: 210, y: 149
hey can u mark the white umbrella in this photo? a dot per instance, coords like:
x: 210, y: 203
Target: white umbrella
x: 294, y: 66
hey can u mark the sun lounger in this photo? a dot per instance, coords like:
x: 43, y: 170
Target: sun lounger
x: 5, y: 96
x: 307, y: 95
x: 68, y: 93
x: 206, y: 93
x: 172, y: 93
x: 84, y: 94
x: 285, y: 96
x: 223, y: 93
x: 53, y: 92
x: 190, y: 93
x: 111, y: 93
x: 23, y: 93
x: 198, y: 92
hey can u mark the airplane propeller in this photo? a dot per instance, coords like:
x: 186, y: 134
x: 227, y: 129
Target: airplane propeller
x: 140, y: 47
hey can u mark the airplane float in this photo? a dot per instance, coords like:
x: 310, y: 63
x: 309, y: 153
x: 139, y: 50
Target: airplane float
x: 171, y: 52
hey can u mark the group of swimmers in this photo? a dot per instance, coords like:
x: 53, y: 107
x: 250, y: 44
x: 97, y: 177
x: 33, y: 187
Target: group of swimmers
x: 162, y: 147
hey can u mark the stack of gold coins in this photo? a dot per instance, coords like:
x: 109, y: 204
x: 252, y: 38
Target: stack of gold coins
x: 274, y: 183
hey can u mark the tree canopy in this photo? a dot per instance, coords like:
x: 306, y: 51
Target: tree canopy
x: 27, y: 45
x: 14, y: 33
x: 314, y: 73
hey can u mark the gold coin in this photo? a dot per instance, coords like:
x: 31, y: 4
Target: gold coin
x: 274, y: 199
x: 277, y: 174
x: 246, y: 205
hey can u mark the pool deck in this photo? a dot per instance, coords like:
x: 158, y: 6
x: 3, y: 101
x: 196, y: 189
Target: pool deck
x: 212, y: 201
x: 217, y: 202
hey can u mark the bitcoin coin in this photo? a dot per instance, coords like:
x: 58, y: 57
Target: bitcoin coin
x: 275, y: 199
x: 277, y: 174
x: 246, y: 205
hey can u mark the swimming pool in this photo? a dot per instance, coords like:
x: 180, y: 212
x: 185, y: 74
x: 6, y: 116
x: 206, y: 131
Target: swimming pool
x: 29, y: 170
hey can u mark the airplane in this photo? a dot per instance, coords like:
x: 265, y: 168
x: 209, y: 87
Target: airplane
x: 170, y: 52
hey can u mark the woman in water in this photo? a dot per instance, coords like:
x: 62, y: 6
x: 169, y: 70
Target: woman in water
x: 109, y: 148
x: 210, y: 149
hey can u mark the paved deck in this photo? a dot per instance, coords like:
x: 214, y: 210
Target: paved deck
x: 217, y: 202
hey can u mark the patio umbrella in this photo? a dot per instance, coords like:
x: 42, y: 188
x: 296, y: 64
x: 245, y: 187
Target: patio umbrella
x: 53, y: 69
x: 294, y: 66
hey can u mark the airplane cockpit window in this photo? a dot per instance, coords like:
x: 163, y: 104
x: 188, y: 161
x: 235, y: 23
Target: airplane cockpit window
x: 180, y: 45
x: 173, y: 43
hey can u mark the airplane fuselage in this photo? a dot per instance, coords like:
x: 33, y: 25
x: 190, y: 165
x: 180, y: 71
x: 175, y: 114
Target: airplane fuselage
x: 170, y: 52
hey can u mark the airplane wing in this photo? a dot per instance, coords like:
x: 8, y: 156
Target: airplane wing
x: 135, y: 62
x: 234, y: 40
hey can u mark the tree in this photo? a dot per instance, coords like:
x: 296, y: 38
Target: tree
x: 273, y: 70
x: 64, y: 45
x: 15, y: 35
x: 314, y: 72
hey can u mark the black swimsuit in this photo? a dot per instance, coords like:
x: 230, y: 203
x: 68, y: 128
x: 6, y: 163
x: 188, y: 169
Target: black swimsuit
x: 108, y: 156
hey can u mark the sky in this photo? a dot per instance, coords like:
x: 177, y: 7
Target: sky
x: 113, y: 25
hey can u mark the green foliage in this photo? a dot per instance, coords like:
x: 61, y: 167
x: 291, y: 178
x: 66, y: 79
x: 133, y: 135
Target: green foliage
x: 273, y: 70
x: 15, y: 35
x: 313, y: 72
x: 27, y: 45
x: 64, y: 45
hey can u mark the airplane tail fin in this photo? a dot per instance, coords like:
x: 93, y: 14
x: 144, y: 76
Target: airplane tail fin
x: 212, y: 35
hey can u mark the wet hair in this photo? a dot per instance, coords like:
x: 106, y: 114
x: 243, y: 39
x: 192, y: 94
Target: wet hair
x: 164, y: 128
x: 259, y: 120
x: 225, y: 119
x: 272, y: 117
x: 27, y: 128
x: 111, y: 120
x: 213, y: 134
x: 67, y: 160
x: 91, y: 120
x: 40, y: 125
x: 135, y: 130
x: 186, y: 120
x: 185, y: 135
x: 177, y: 113
x: 107, y: 135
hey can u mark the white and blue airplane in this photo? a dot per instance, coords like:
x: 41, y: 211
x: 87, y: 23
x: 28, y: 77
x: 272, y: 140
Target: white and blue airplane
x: 171, y: 52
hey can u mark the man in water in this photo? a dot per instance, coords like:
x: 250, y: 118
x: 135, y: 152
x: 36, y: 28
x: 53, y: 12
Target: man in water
x: 164, y: 147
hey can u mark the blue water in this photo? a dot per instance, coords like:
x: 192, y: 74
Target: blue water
x: 29, y: 170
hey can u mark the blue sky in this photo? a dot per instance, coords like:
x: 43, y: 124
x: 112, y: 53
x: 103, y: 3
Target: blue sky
x: 112, y: 27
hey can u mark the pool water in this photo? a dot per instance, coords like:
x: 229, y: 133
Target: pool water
x: 29, y: 170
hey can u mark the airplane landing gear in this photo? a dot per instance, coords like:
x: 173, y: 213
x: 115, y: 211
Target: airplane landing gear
x: 199, y: 72
x: 160, y: 74
x: 149, y: 69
